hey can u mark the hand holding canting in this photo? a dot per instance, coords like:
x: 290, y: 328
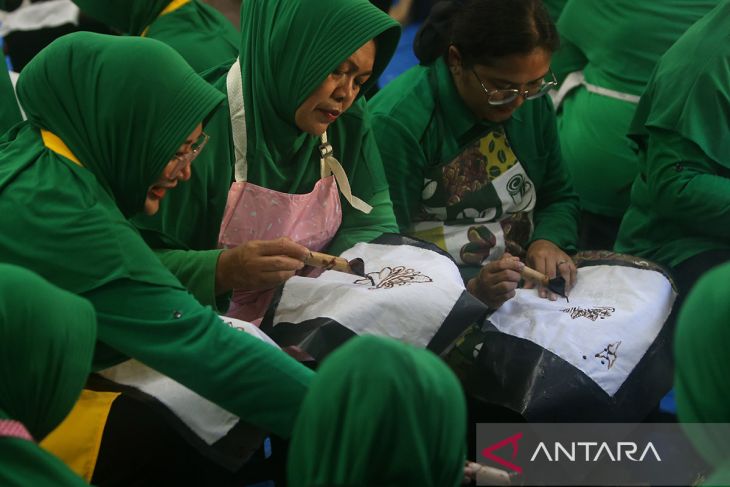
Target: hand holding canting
x: 546, y: 257
x: 497, y: 281
x: 259, y: 264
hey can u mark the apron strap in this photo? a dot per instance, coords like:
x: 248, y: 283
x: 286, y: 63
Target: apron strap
x: 329, y: 165
x: 234, y: 87
x: 14, y: 429
x: 576, y: 79
x: 327, y: 162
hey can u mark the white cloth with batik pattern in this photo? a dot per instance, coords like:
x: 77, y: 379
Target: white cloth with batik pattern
x: 614, y: 315
x: 407, y: 294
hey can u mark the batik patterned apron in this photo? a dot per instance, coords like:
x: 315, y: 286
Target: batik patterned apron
x: 480, y: 204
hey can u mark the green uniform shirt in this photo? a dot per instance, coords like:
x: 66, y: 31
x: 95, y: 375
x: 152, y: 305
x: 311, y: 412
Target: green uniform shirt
x: 616, y: 44
x: 421, y: 124
x: 9, y: 111
x: 680, y: 201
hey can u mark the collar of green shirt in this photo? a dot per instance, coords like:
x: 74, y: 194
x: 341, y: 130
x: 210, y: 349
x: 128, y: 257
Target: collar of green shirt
x: 458, y: 116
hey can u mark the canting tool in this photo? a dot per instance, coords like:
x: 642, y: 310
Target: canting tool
x: 331, y: 262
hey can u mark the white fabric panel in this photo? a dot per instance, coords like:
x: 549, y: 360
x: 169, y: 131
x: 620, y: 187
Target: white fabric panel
x: 411, y: 293
x: 209, y: 421
x: 52, y: 13
x: 614, y: 315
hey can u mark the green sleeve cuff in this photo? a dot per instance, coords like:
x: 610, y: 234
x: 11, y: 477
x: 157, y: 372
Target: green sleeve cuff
x: 196, y: 271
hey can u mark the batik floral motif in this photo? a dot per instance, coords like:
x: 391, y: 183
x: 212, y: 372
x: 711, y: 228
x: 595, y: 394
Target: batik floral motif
x: 390, y: 277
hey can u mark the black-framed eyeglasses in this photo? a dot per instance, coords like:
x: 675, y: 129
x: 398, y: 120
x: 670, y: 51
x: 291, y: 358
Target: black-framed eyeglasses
x: 505, y: 96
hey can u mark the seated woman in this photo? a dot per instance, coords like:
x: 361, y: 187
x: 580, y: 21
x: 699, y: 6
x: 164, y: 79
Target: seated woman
x: 199, y: 32
x: 284, y: 97
x: 608, y: 51
x: 679, y: 214
x: 45, y: 355
x: 471, y: 147
x: 701, y: 374
x: 398, y: 420
x: 114, y: 123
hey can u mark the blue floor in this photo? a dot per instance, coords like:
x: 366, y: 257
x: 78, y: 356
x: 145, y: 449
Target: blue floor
x: 403, y: 57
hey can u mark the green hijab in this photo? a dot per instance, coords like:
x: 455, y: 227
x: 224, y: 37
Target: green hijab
x: 122, y: 106
x: 288, y: 48
x: 48, y: 338
x: 128, y: 16
x: 702, y: 374
x: 381, y: 413
x: 689, y: 91
x: 199, y: 32
x: 9, y: 111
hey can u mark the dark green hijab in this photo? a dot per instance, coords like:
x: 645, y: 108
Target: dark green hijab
x: 199, y: 32
x: 122, y: 106
x: 128, y: 16
x: 380, y: 413
x: 288, y: 48
x: 48, y: 337
x: 702, y: 373
x: 689, y: 91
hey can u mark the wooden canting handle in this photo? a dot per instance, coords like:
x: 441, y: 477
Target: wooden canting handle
x: 328, y: 262
x: 537, y: 277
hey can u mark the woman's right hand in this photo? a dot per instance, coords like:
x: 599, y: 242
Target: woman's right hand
x: 258, y: 265
x: 497, y: 281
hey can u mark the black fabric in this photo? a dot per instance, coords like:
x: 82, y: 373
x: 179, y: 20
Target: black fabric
x: 597, y: 232
x: 143, y: 442
x: 689, y: 271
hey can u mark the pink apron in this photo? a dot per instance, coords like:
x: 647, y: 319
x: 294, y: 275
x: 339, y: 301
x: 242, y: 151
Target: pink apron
x: 257, y: 213
x: 10, y: 428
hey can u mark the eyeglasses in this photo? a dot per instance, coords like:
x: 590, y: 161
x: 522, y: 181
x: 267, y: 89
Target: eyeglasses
x: 184, y: 160
x: 505, y: 96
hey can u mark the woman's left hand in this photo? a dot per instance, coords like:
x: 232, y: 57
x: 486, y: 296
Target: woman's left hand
x: 546, y: 257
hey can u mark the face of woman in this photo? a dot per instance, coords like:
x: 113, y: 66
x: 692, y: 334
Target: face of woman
x: 336, y: 93
x: 518, y: 71
x: 177, y: 169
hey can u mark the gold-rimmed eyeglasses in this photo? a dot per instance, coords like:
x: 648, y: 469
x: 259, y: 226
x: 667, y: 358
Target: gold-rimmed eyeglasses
x: 505, y: 96
x: 184, y: 160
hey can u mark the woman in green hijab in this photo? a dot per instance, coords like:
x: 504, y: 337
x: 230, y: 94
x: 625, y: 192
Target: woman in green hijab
x: 45, y: 357
x: 113, y: 124
x: 199, y: 32
x: 701, y: 375
x: 679, y: 213
x: 398, y: 420
x: 303, y: 67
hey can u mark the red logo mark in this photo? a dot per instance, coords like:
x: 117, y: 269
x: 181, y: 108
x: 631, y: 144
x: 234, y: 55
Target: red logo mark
x: 487, y: 452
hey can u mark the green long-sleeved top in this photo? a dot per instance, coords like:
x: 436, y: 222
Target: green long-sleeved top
x: 592, y: 126
x: 416, y: 133
x: 680, y: 200
x: 9, y: 111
